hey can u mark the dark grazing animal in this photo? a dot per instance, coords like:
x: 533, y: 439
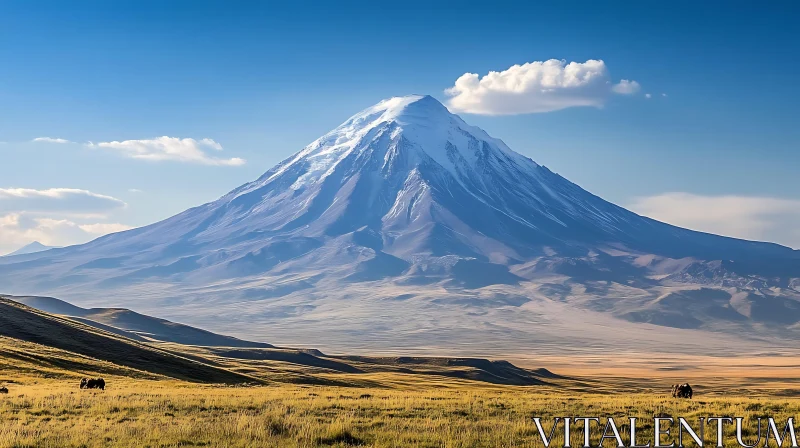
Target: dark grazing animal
x: 682, y: 390
x: 3, y: 390
x: 98, y: 383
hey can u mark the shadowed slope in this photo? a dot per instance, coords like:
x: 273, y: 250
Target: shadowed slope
x: 498, y: 372
x: 134, y: 325
x: 27, y: 324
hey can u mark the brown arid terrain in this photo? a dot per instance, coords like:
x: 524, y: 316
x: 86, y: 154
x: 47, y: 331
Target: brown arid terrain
x: 165, y: 394
x: 767, y: 374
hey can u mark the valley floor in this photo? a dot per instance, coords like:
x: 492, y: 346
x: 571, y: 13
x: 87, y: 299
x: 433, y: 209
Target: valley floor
x: 765, y: 374
x: 40, y: 412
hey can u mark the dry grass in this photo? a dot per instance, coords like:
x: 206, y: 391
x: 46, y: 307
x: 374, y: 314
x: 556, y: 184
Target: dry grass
x: 145, y: 413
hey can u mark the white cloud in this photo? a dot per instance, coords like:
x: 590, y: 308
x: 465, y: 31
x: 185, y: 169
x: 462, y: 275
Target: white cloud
x: 50, y: 140
x: 648, y: 96
x: 171, y: 148
x: 211, y: 144
x: 664, y: 95
x: 17, y: 230
x: 625, y: 87
x: 102, y: 228
x: 134, y: 190
x: 746, y: 217
x: 20, y: 229
x: 54, y: 216
x: 62, y: 200
x: 540, y: 86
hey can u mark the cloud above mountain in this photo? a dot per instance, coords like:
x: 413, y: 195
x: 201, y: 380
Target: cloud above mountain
x: 50, y: 140
x: 535, y: 87
x: 103, y: 228
x: 747, y: 217
x: 186, y: 150
x: 71, y: 200
x: 19, y: 229
x: 55, y: 216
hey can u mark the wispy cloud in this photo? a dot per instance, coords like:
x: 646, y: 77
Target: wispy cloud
x: 104, y: 228
x: 540, y: 86
x: 55, y: 216
x: 19, y: 229
x: 163, y: 148
x: 56, y: 199
x: 50, y: 140
x: 746, y: 217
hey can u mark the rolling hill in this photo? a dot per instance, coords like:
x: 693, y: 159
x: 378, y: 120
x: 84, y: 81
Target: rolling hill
x: 26, y: 324
x: 135, y: 325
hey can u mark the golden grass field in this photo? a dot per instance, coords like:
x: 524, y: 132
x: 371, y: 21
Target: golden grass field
x: 418, y: 412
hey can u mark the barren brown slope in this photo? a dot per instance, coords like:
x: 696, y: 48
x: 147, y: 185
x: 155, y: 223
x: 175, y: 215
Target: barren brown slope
x: 28, y: 324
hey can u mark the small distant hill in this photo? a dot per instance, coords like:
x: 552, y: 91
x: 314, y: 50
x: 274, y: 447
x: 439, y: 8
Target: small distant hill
x: 26, y: 324
x: 478, y: 369
x: 31, y: 248
x: 137, y: 326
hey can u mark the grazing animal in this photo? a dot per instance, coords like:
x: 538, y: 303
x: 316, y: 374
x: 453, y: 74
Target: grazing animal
x: 682, y: 390
x: 3, y: 390
x: 98, y: 383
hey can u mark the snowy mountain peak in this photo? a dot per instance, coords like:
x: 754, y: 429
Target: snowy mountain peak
x: 403, y: 109
x: 413, y: 129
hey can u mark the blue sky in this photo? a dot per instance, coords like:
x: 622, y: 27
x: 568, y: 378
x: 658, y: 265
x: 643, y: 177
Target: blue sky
x: 718, y: 153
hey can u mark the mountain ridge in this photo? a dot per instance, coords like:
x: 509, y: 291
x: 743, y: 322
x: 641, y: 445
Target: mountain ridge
x: 134, y: 325
x: 27, y: 324
x: 30, y: 248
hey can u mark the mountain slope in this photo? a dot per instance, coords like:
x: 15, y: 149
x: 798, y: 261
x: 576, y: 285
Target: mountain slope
x: 30, y: 249
x: 135, y: 325
x: 405, y: 207
x: 27, y: 324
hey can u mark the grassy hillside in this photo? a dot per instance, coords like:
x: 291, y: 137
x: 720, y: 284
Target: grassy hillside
x: 26, y: 324
x: 142, y: 326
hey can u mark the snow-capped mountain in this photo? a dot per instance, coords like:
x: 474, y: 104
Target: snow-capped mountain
x: 407, y: 200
